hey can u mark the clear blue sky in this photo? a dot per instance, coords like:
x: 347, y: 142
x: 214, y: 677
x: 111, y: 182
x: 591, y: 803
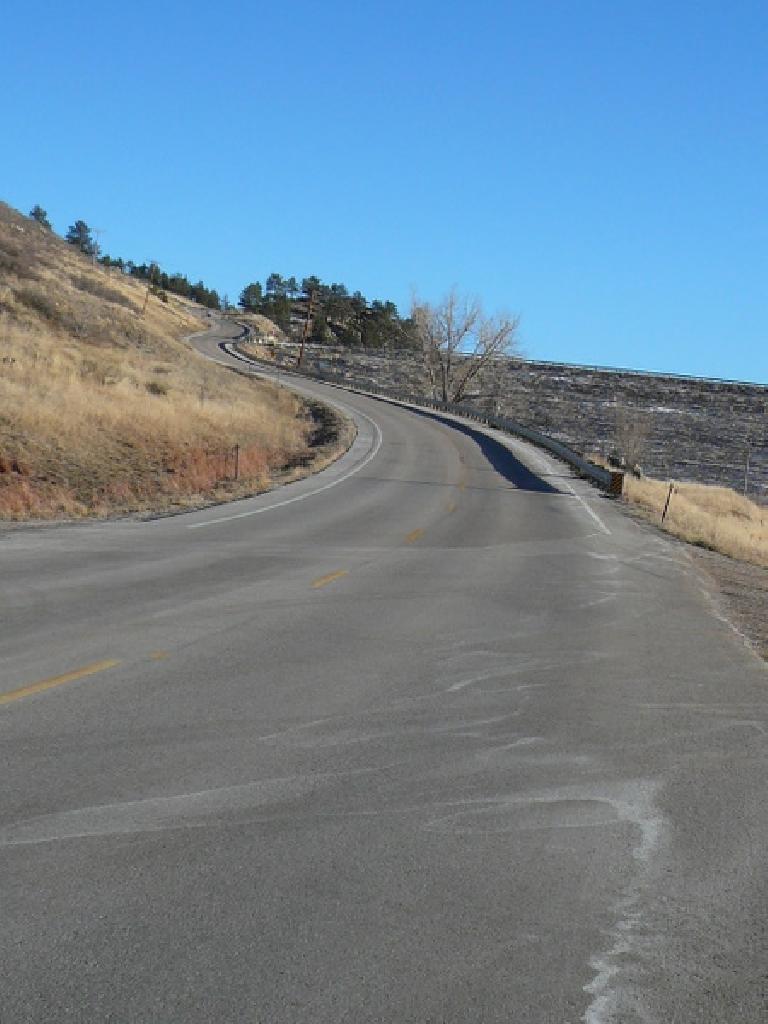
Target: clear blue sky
x: 598, y: 165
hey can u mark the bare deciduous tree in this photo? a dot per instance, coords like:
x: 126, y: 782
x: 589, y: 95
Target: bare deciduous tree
x: 458, y: 341
x: 631, y: 431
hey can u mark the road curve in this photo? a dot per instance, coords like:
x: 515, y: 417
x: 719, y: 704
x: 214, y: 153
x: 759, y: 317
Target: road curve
x: 437, y: 735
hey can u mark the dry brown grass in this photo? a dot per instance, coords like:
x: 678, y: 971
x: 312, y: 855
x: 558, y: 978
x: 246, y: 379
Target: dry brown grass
x: 264, y: 353
x: 262, y: 326
x: 103, y: 410
x: 711, y: 517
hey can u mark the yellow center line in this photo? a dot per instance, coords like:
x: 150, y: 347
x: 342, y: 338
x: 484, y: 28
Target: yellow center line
x: 48, y: 684
x: 159, y: 655
x: 413, y: 536
x: 451, y: 507
x: 323, y: 581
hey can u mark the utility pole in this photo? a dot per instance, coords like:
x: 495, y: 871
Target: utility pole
x: 305, y: 332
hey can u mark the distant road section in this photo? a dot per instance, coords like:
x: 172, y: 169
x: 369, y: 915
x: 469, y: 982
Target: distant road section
x: 436, y: 735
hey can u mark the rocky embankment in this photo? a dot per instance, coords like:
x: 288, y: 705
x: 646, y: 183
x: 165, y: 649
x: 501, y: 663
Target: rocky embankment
x: 681, y: 428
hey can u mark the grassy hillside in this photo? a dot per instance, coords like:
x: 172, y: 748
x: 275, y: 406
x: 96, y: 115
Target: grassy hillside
x: 712, y: 517
x: 103, y: 406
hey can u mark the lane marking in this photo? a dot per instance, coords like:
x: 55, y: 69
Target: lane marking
x: 591, y: 511
x: 413, y: 536
x: 462, y: 483
x: 508, y: 443
x: 52, y: 681
x: 323, y: 581
x: 545, y: 468
x: 310, y: 494
x: 159, y: 655
x: 450, y: 507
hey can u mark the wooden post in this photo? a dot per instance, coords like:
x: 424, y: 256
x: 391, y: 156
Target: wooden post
x: 237, y: 462
x: 666, y: 503
x: 305, y: 332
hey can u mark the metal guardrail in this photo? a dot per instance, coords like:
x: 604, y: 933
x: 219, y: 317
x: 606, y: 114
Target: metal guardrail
x: 623, y: 371
x: 611, y: 481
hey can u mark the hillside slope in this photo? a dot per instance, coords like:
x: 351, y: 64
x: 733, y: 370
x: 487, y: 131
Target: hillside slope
x: 103, y: 406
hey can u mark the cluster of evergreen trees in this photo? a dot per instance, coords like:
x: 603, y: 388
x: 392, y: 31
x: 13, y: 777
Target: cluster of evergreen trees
x: 81, y: 236
x: 335, y: 314
x: 163, y: 283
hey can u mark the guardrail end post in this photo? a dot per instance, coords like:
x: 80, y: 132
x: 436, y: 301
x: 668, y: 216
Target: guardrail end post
x: 616, y: 484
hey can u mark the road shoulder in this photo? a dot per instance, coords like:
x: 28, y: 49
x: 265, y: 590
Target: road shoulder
x: 742, y: 591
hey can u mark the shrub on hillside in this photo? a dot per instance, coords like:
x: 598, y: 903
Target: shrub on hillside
x: 40, y: 303
x: 102, y: 290
x: 16, y: 260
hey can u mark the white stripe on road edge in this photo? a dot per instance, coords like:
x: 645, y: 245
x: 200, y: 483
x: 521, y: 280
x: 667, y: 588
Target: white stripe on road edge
x: 233, y: 353
x: 545, y: 468
x: 589, y: 509
x: 310, y: 494
x: 504, y: 440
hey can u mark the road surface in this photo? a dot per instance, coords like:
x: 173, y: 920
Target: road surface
x: 438, y: 735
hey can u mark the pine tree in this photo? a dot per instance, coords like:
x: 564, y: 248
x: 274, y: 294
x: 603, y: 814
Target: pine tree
x: 250, y: 298
x: 276, y: 285
x: 38, y: 213
x: 79, y: 234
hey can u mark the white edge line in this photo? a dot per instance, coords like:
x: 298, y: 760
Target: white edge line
x: 289, y: 501
x: 544, y: 467
x: 310, y: 494
x: 533, y: 455
x: 589, y: 509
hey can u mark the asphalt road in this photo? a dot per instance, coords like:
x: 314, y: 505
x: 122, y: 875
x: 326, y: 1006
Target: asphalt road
x: 428, y: 737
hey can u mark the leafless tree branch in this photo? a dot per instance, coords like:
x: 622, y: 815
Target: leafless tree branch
x: 458, y: 341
